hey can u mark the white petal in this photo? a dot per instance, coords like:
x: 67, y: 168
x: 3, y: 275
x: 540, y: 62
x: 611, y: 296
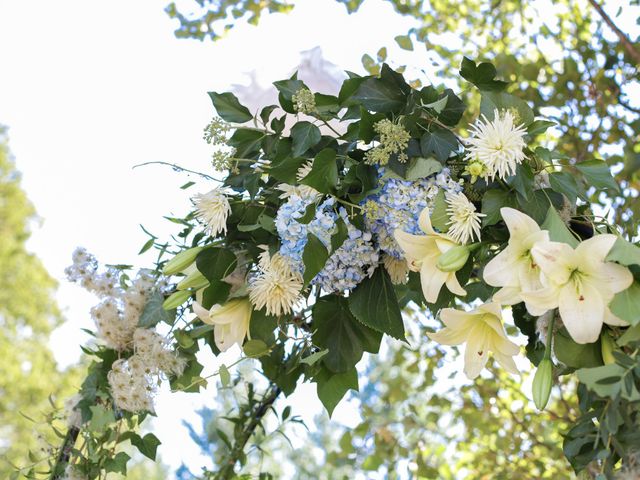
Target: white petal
x: 615, y: 278
x: 201, y: 312
x: 507, y: 296
x: 596, y: 248
x: 582, y: 312
x: 457, y: 319
x: 454, y: 285
x: 476, y: 352
x: 424, y: 221
x: 556, y: 260
x: 449, y: 336
x: 499, y: 272
x: 415, y: 247
x: 431, y: 279
x: 506, y: 361
x: 540, y: 301
x: 519, y: 224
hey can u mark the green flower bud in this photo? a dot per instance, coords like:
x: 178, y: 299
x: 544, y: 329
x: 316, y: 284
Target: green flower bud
x: 194, y: 280
x: 453, y: 259
x: 542, y: 383
x: 607, y: 346
x: 181, y: 261
x: 176, y: 299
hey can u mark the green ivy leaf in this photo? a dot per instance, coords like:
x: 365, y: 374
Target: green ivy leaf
x: 492, y: 101
x: 314, y: 357
x: 606, y: 381
x: 422, y: 168
x: 153, y: 312
x: 341, y: 234
x: 439, y: 142
x: 404, y: 42
x: 305, y: 135
x: 374, y: 303
x: 492, y: 202
x: 576, y: 355
x: 315, y: 256
x: 380, y: 95
x: 229, y: 107
x: 565, y: 184
x: 538, y: 204
x: 101, y: 418
x: 147, y: 445
x: 481, y: 75
x: 117, y: 464
x: 216, y: 263
x: 626, y: 304
x: 538, y: 127
x: 324, y: 172
x: 598, y: 175
x: 439, y: 216
x: 246, y: 141
x: 286, y: 90
x: 255, y: 348
x: 558, y: 231
x: 522, y: 181
x: 332, y: 387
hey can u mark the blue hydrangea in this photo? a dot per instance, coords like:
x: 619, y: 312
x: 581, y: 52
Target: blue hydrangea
x: 398, y: 205
x: 348, y: 265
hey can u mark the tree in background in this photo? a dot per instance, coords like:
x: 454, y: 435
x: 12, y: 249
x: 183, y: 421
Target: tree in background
x: 28, y: 314
x: 573, y: 63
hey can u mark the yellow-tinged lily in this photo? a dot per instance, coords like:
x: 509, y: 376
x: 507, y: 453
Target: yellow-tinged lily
x: 422, y: 253
x: 580, y: 283
x: 514, y: 269
x: 230, y: 321
x: 482, y: 331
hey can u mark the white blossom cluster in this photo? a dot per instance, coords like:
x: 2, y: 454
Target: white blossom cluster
x: 133, y: 380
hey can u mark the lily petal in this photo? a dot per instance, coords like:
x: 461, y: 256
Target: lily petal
x: 499, y: 271
x: 415, y: 247
x: 454, y: 285
x: 424, y: 221
x: 582, y: 311
x: 556, y: 260
x: 518, y: 223
x: 449, y: 336
x: 540, y: 301
x: 596, y: 248
x: 611, y: 319
x: 431, y: 279
x: 476, y: 352
x: 507, y: 296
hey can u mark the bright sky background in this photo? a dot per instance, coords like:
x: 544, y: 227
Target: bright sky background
x: 90, y: 89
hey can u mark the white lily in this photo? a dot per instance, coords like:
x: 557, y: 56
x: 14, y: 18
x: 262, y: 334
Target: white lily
x: 230, y: 321
x: 422, y: 253
x: 580, y: 283
x: 482, y: 331
x: 514, y: 269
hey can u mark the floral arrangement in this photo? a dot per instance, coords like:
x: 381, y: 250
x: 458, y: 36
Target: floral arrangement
x: 328, y: 216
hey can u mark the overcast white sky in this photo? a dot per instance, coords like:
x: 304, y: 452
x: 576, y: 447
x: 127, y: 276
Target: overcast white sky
x: 90, y: 89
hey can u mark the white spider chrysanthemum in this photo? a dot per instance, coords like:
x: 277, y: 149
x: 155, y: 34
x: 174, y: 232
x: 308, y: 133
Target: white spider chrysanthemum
x: 277, y: 286
x: 498, y: 144
x: 212, y: 209
x: 303, y: 191
x: 464, y: 221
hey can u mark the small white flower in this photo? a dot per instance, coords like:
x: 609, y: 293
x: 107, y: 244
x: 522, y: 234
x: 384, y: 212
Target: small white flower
x: 302, y: 191
x: 212, y: 209
x: 464, y: 221
x: 498, y: 144
x: 276, y: 286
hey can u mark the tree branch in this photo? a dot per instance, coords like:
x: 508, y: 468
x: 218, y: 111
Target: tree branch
x: 628, y: 45
x: 60, y: 467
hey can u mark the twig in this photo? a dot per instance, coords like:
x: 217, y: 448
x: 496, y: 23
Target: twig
x: 177, y: 168
x: 626, y: 43
x: 58, y: 470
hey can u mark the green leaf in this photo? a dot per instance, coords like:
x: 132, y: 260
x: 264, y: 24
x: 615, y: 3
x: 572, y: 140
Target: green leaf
x: 631, y: 335
x: 154, y: 313
x: 538, y: 127
x: 117, y: 464
x: 305, y: 135
x: 558, y: 231
x: 538, y: 204
x: 374, y: 303
x: 101, y: 418
x: 309, y: 214
x: 216, y: 263
x: 147, y: 445
x: 216, y: 293
x: 266, y: 112
x: 626, y: 304
x: 333, y: 386
x: 481, y: 75
x: 422, y: 168
x: 338, y: 331
x: 225, y: 376
x: 229, y: 108
x: 315, y: 256
x: 341, y: 234
x: 492, y: 202
x: 492, y: 101
x: 404, y: 42
x: 246, y: 141
x: 314, y: 357
x: 439, y: 216
x: 625, y: 253
x: 601, y: 381
x: 286, y: 90
x: 565, y: 184
x: 255, y: 348
x: 379, y: 96
x: 522, y: 181
x: 324, y: 172
x: 576, y: 355
x: 598, y: 175
x: 440, y: 143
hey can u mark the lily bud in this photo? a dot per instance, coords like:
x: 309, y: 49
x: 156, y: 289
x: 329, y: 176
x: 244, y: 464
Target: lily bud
x: 542, y: 382
x: 453, y: 259
x: 607, y: 346
x: 195, y: 279
x: 176, y: 299
x: 181, y: 261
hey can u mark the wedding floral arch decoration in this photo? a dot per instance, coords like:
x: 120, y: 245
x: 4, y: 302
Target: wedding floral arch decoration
x: 326, y: 216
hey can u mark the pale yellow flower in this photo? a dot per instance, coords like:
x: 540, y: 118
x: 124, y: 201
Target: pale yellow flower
x: 514, y: 269
x: 422, y: 253
x: 276, y: 287
x: 580, y: 283
x: 482, y: 331
x: 397, y: 269
x: 212, y: 209
x: 230, y: 321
